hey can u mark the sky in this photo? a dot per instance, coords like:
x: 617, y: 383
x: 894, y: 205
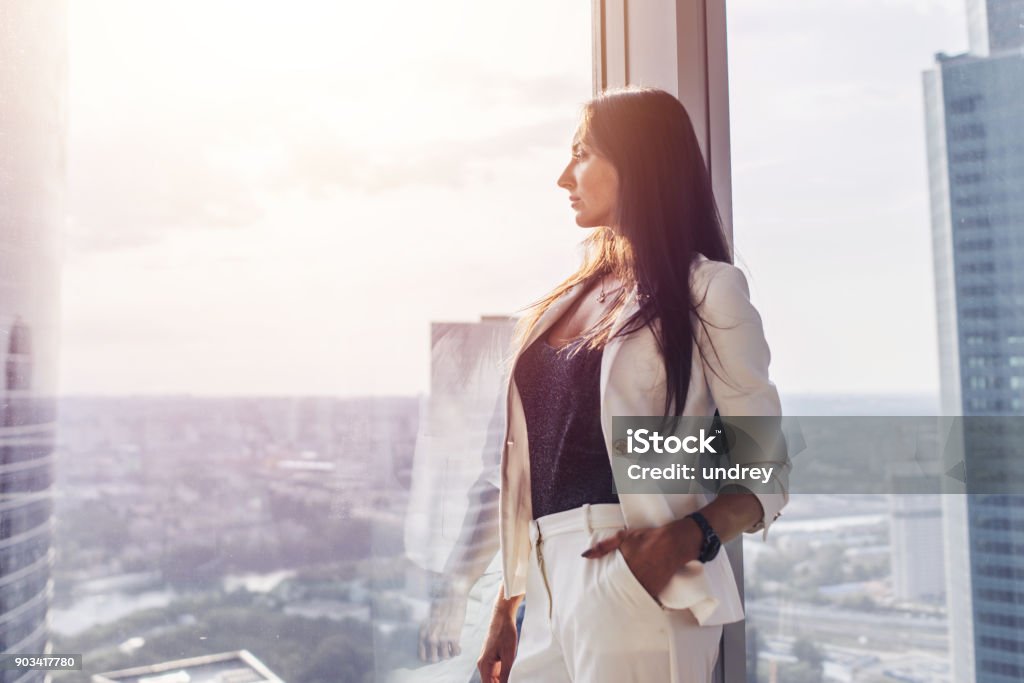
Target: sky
x: 281, y: 201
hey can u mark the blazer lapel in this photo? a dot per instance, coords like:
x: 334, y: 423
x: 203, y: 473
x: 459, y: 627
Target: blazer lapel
x: 612, y: 348
x: 637, y: 509
x: 631, y: 307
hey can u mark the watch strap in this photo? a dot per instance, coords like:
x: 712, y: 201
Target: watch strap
x: 709, y: 545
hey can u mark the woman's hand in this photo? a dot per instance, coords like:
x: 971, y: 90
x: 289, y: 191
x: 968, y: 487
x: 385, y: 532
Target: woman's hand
x: 654, y: 554
x: 499, y: 649
x: 442, y: 629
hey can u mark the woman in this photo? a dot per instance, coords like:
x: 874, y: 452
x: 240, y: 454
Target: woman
x: 657, y: 321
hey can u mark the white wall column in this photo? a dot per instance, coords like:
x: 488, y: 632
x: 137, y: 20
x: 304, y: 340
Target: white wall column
x: 680, y: 46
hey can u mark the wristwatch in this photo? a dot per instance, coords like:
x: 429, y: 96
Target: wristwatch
x: 712, y: 544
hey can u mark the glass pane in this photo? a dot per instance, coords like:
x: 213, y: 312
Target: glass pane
x: 877, y: 160
x: 33, y: 112
x: 298, y: 233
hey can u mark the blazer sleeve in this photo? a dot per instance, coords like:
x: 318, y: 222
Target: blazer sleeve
x: 735, y: 356
x: 491, y: 456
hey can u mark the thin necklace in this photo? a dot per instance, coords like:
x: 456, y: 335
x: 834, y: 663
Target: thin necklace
x: 604, y: 295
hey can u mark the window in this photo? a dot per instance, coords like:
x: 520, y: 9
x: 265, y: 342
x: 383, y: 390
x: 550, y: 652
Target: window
x: 964, y: 105
x: 299, y: 235
x: 970, y: 131
x: 822, y: 107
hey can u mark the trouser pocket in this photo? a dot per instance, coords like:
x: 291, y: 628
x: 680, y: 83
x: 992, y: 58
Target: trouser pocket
x: 631, y: 585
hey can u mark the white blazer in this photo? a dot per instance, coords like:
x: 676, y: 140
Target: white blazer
x: 633, y: 383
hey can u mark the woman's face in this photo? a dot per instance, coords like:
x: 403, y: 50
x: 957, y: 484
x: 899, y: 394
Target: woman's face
x: 593, y: 185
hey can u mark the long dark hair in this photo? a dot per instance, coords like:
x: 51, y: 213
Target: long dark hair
x: 667, y: 214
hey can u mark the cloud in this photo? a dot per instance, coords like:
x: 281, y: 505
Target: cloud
x: 141, y: 168
x: 320, y: 163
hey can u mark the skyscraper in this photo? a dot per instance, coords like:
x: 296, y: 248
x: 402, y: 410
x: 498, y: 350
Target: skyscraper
x: 974, y: 107
x: 33, y: 67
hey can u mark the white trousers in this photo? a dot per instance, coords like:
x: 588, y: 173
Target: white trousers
x: 592, y: 621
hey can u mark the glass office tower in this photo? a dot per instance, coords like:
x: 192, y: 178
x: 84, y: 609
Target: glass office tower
x: 974, y: 106
x: 33, y: 106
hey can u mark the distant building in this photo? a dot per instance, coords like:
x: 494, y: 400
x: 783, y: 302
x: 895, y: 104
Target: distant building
x: 974, y: 111
x: 915, y: 536
x: 226, y: 667
x: 460, y: 431
x: 33, y: 112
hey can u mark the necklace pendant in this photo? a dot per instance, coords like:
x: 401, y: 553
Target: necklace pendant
x: 601, y: 298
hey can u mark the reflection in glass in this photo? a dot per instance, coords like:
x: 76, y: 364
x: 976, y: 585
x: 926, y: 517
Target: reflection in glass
x: 33, y: 64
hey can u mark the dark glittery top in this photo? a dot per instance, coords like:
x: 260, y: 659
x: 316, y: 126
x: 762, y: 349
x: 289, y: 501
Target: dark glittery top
x: 562, y: 404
